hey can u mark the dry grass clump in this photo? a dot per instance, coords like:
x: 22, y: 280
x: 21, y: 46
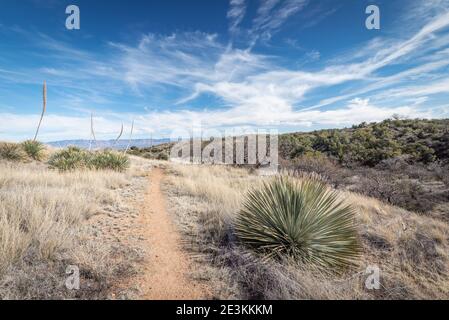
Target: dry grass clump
x: 412, y: 251
x: 43, y: 230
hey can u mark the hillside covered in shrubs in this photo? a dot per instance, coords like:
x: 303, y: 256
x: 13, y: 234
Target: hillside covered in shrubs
x: 401, y: 162
x: 423, y: 141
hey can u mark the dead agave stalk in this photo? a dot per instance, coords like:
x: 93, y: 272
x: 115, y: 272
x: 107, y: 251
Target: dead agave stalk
x: 130, y: 138
x: 119, y: 136
x: 44, y: 108
x: 92, y: 132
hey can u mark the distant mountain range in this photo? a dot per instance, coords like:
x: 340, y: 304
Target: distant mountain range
x: 102, y: 144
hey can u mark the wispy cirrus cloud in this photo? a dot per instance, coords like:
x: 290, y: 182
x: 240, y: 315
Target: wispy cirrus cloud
x: 191, y: 77
x: 273, y: 14
x: 269, y: 18
x: 236, y: 13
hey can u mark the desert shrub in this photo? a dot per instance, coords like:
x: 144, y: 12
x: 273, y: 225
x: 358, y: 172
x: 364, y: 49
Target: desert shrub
x: 109, y: 159
x: 162, y: 156
x: 320, y: 164
x: 299, y: 218
x: 70, y: 158
x: 444, y: 175
x: 34, y: 149
x: 75, y: 158
x: 368, y: 144
x: 408, y: 191
x: 12, y: 151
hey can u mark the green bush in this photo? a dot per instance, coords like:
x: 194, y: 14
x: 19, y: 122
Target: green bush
x: 12, y: 152
x: 34, y: 149
x: 162, y: 156
x: 75, y: 158
x: 109, y: 159
x: 300, y: 218
x: 70, y: 159
x: 369, y: 144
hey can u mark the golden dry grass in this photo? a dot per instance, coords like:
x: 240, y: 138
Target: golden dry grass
x: 411, y: 250
x: 45, y: 225
x: 43, y: 208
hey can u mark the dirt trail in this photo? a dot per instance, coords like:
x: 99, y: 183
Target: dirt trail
x: 166, y: 273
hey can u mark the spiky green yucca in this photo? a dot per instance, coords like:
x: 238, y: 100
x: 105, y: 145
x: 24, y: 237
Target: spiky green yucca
x: 108, y: 159
x: 69, y: 159
x: 75, y: 158
x: 12, y: 152
x: 301, y: 218
x: 34, y: 149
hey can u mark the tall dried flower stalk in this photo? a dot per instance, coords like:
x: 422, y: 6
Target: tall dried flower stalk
x: 130, y: 137
x: 119, y: 136
x: 44, y: 108
x: 92, y: 132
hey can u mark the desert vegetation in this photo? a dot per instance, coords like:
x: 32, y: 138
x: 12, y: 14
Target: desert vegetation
x: 34, y: 149
x: 344, y: 201
x: 46, y: 220
x: 402, y: 162
x: 12, y: 152
x: 210, y: 204
x: 300, y: 218
x: 423, y: 141
x: 70, y: 158
x: 160, y: 152
x: 75, y: 158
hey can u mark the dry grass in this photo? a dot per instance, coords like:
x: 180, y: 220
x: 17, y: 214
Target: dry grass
x: 45, y: 226
x: 412, y: 251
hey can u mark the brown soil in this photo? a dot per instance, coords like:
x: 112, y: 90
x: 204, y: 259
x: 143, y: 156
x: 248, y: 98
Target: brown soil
x: 166, y: 273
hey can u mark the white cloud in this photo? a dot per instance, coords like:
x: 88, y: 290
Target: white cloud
x: 271, y: 15
x: 258, y: 114
x: 254, y: 89
x: 236, y: 13
x: 55, y: 127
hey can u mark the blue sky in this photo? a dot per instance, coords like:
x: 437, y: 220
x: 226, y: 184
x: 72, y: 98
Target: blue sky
x: 293, y: 65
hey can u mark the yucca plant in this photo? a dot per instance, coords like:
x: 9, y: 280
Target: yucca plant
x: 12, y: 152
x: 75, y: 158
x: 34, y: 149
x: 299, y: 218
x: 108, y: 159
x: 70, y: 159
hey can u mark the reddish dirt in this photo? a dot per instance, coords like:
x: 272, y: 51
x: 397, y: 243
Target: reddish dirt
x: 166, y: 273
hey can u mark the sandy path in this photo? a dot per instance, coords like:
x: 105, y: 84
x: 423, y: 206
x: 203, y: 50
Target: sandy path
x: 166, y: 273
